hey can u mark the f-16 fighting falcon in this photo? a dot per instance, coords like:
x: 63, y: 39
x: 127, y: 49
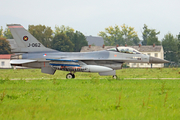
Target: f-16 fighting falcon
x: 31, y: 53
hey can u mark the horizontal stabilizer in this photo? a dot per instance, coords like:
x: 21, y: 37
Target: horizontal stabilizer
x: 63, y: 60
x: 22, y: 61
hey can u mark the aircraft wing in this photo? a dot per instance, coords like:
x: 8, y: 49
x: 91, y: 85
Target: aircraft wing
x: 65, y: 59
x: 76, y: 60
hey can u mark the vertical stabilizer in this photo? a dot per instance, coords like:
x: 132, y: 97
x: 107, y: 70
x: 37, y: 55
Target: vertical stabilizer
x: 25, y: 41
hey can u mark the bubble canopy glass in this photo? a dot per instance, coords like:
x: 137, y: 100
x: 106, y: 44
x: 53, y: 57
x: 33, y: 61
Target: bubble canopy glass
x: 128, y: 50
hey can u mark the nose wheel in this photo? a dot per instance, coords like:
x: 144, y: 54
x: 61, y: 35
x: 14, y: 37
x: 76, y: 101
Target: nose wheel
x: 115, y: 76
x: 70, y: 76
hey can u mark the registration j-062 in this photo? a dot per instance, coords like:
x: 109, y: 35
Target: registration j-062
x: 34, y: 45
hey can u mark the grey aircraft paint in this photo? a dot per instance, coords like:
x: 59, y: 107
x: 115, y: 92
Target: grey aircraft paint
x: 31, y: 53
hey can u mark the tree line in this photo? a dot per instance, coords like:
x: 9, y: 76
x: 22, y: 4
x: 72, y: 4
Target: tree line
x: 127, y: 35
x: 65, y: 38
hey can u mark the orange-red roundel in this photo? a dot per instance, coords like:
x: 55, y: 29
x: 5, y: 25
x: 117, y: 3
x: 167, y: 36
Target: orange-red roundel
x: 25, y: 38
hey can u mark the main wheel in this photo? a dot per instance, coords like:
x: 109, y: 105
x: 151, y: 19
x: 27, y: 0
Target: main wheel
x: 69, y: 76
x: 73, y: 76
x: 115, y: 76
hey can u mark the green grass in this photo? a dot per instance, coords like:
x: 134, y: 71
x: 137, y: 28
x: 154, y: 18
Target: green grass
x: 124, y: 73
x: 97, y: 97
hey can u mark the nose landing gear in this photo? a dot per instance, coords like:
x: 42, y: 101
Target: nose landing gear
x: 115, y: 76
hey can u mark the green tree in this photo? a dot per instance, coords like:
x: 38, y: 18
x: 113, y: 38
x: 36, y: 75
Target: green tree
x: 145, y: 34
x: 76, y: 37
x: 79, y: 40
x: 42, y: 33
x: 179, y: 49
x: 4, y: 46
x: 169, y: 43
x: 130, y: 35
x: 7, y: 34
x: 1, y: 32
x: 112, y: 36
x: 125, y: 35
x: 136, y: 40
x: 62, y: 43
x: 150, y: 36
x: 63, y: 29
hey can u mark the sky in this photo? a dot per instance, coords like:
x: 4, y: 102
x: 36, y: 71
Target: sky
x: 92, y: 16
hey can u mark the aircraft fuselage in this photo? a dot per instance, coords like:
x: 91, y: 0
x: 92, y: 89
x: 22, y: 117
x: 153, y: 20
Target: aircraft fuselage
x: 111, y: 59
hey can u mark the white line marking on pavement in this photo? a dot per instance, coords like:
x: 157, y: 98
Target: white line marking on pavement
x: 97, y: 78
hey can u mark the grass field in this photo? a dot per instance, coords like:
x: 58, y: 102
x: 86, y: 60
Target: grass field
x: 124, y: 73
x: 90, y: 96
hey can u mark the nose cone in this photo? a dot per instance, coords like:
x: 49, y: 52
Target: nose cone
x: 157, y: 60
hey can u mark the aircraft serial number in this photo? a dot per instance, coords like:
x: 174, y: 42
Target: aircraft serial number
x: 138, y: 58
x: 34, y: 45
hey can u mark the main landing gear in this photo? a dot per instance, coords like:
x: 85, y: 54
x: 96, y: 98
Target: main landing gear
x: 70, y: 76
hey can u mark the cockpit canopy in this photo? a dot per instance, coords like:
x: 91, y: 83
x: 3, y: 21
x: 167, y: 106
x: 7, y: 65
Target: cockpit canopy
x: 128, y: 50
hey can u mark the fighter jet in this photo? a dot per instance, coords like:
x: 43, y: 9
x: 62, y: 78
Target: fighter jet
x: 31, y: 53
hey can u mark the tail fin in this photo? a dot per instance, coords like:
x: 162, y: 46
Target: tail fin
x: 25, y: 41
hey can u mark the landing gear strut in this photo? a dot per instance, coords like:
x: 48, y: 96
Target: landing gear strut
x: 70, y: 76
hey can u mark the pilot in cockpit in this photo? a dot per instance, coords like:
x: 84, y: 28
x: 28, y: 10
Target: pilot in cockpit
x: 125, y: 50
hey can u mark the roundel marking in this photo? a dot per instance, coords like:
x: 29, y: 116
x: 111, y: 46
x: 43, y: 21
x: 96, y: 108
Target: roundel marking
x: 25, y: 38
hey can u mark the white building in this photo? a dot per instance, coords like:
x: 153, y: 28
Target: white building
x: 5, y: 61
x: 154, y: 51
